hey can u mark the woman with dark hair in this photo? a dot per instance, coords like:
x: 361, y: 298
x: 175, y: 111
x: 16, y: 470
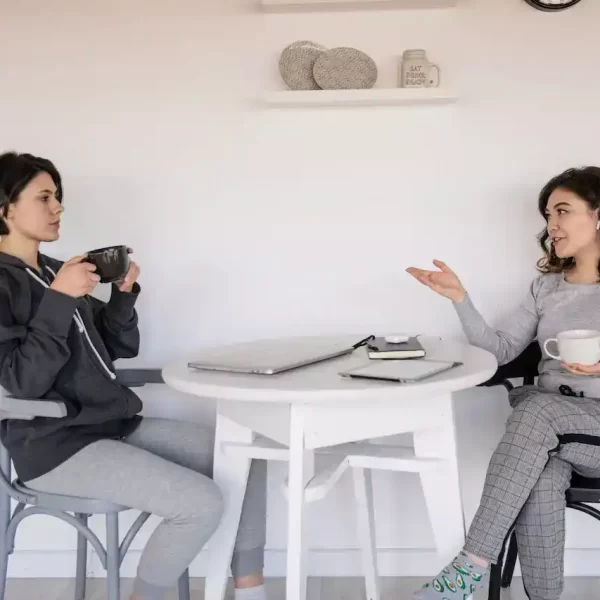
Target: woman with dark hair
x: 531, y: 468
x: 57, y: 342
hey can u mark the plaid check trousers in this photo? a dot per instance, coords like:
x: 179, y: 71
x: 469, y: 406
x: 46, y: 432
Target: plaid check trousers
x: 547, y: 436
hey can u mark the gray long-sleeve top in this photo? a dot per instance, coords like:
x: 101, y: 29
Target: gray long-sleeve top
x: 550, y: 306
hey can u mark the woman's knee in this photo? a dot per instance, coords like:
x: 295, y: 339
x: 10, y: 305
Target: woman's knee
x: 533, y: 407
x: 215, y: 508
x: 202, y: 502
x: 552, y: 483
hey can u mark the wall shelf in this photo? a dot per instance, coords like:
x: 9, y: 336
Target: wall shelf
x: 308, y: 5
x: 372, y: 97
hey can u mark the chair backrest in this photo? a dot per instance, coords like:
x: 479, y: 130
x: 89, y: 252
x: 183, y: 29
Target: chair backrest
x: 25, y: 408
x: 139, y: 377
x: 28, y: 409
x: 525, y: 367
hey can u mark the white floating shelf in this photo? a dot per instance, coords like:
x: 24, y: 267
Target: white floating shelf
x: 355, y: 4
x: 372, y: 97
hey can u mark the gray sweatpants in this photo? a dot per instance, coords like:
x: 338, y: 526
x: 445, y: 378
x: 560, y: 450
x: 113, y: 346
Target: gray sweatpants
x: 547, y: 437
x: 165, y: 468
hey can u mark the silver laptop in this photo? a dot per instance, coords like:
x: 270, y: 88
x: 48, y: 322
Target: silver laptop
x: 268, y: 362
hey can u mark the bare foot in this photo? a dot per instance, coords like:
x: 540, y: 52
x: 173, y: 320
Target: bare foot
x: 480, y: 562
x: 249, y: 581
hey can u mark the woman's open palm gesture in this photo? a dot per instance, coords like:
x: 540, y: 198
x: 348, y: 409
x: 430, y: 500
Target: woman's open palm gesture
x: 445, y: 281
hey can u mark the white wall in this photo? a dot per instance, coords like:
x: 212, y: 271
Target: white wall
x: 256, y: 223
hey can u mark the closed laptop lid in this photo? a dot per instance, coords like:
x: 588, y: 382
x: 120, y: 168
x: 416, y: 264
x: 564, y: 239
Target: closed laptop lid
x: 273, y: 359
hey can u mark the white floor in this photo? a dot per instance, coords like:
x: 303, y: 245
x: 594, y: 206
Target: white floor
x: 319, y: 589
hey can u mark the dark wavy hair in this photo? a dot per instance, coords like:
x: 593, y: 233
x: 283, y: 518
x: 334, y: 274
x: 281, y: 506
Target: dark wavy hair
x: 585, y: 183
x: 16, y: 171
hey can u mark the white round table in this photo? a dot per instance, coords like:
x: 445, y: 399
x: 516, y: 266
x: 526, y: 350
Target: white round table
x: 312, y: 408
x: 320, y: 383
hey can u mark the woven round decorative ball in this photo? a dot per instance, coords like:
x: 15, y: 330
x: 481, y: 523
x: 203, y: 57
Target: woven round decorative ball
x: 345, y: 69
x: 296, y: 64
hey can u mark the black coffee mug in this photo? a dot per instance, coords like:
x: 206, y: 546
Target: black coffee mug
x: 112, y: 263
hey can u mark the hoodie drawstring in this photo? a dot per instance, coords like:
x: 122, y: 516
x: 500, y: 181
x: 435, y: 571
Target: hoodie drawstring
x: 80, y: 324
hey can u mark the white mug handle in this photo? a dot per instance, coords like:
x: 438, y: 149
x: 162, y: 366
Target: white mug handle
x: 548, y: 351
x: 433, y: 76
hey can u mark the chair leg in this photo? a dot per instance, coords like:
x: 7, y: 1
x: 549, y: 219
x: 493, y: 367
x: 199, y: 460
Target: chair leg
x: 3, y: 566
x: 81, y: 573
x: 112, y: 556
x: 5, y: 466
x: 3, y: 560
x: 363, y: 495
x: 183, y: 586
x: 495, y: 588
x: 511, y: 561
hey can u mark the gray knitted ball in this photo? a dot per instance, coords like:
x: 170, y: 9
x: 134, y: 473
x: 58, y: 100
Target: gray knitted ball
x: 345, y: 69
x: 296, y: 65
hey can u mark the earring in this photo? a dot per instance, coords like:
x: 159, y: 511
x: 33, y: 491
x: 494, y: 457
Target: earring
x: 598, y: 226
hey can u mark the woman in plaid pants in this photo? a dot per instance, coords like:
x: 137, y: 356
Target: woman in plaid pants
x: 555, y: 426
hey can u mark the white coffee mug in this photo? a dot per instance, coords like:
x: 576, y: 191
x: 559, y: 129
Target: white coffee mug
x: 576, y: 346
x: 417, y: 72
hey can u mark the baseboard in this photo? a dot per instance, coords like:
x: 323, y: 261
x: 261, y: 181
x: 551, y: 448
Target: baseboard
x: 322, y: 563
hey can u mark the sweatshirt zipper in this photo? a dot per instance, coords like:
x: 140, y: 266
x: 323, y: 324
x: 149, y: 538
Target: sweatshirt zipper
x: 80, y: 326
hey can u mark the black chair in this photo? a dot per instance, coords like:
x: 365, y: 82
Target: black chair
x: 582, y: 490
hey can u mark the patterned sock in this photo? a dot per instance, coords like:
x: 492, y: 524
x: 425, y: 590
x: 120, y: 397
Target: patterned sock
x: 458, y: 581
x: 254, y: 593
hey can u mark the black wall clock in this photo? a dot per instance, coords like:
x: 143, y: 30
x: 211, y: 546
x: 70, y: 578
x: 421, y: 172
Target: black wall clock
x: 552, y: 5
